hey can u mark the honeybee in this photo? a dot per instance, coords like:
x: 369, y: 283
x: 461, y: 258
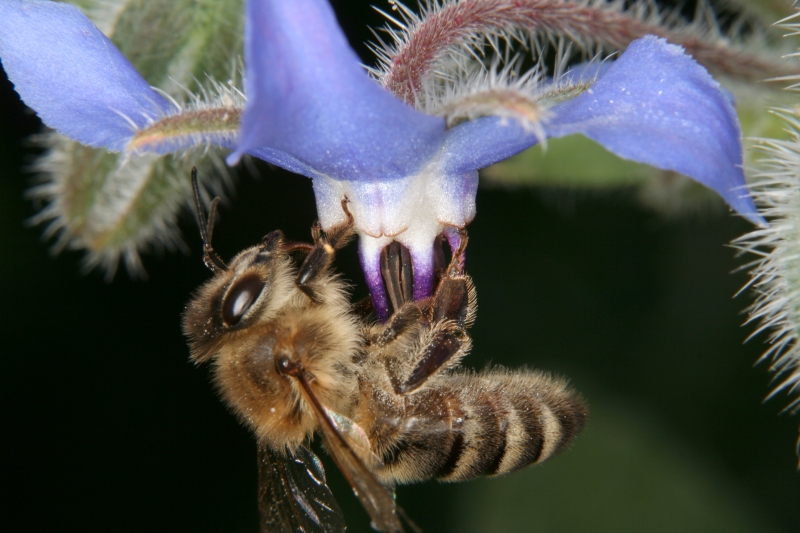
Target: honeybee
x: 293, y: 357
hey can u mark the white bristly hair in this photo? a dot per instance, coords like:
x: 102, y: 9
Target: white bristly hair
x: 775, y: 275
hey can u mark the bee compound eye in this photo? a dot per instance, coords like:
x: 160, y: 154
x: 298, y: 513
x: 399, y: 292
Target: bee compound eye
x: 240, y: 298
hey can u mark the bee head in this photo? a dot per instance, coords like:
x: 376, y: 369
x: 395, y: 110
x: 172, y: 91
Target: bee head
x: 249, y: 290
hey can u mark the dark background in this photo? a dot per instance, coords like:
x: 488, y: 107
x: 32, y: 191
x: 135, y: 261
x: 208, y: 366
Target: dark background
x: 107, y: 426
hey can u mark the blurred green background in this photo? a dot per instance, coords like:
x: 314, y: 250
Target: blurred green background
x: 108, y: 427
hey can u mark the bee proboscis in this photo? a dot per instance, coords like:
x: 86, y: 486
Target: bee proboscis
x: 293, y: 357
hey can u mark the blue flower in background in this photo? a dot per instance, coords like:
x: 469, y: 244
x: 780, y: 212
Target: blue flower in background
x: 312, y: 109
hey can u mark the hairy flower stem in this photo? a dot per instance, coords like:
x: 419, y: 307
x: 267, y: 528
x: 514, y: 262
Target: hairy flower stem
x: 200, y: 123
x: 427, y: 39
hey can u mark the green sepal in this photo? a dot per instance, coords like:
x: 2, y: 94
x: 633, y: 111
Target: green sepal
x: 113, y: 205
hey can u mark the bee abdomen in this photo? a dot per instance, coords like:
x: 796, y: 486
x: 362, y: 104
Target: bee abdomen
x: 508, y: 421
x: 470, y: 425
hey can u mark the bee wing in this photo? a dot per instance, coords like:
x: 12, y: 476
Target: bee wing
x: 377, y: 499
x: 293, y: 494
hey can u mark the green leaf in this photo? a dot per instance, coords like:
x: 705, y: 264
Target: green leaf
x: 114, y: 205
x: 573, y: 161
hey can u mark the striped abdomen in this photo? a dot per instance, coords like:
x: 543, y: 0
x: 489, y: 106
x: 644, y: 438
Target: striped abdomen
x: 469, y: 425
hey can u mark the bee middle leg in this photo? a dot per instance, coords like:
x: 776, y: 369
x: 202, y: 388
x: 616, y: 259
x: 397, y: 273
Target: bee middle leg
x: 321, y: 253
x: 455, y: 297
x: 441, y: 339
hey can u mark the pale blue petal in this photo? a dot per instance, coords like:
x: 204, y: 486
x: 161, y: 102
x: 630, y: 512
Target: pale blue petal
x: 72, y: 75
x: 281, y: 159
x: 654, y: 105
x: 478, y: 143
x: 309, y: 97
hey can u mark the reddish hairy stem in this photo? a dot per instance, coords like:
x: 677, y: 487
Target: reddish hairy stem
x: 189, y: 122
x: 430, y: 39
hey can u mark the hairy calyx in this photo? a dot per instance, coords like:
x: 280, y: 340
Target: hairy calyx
x: 423, y: 40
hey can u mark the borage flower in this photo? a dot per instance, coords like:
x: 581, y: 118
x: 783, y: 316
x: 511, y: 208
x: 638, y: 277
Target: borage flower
x: 311, y: 108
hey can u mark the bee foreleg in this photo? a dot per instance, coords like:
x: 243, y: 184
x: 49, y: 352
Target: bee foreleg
x: 398, y: 324
x: 322, y: 252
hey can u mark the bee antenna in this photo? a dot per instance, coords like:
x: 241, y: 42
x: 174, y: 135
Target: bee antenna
x: 210, y: 257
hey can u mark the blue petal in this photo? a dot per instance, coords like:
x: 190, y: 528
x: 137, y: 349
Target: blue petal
x: 72, y: 75
x: 654, y: 105
x: 478, y: 143
x: 658, y: 106
x: 309, y: 97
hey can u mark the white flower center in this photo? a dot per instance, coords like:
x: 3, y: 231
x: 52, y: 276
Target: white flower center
x: 412, y: 210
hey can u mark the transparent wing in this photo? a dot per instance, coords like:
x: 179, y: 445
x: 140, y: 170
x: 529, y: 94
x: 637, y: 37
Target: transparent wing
x: 377, y: 499
x: 293, y: 495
